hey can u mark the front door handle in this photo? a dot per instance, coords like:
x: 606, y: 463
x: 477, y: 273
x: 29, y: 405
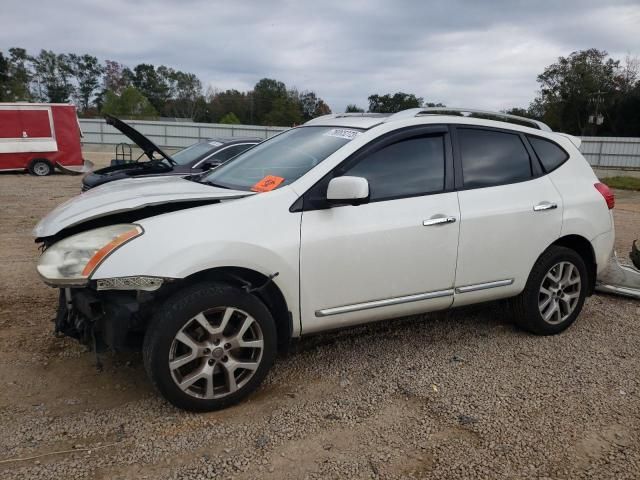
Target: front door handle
x: 438, y: 221
x: 545, y: 206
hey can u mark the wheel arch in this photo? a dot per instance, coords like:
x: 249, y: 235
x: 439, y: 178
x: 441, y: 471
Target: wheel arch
x: 582, y: 247
x: 269, y: 293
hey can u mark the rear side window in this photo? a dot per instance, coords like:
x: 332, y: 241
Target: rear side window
x: 492, y: 158
x: 550, y: 154
x: 230, y: 152
x: 411, y: 167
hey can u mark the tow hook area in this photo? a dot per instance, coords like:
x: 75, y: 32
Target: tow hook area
x: 620, y: 278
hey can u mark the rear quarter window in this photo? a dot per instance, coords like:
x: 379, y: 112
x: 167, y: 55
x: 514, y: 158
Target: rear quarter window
x: 550, y: 155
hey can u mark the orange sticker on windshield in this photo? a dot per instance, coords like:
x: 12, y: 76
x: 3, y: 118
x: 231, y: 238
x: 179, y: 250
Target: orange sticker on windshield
x: 267, y: 184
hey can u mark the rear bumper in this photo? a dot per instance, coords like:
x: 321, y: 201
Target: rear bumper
x: 619, y: 278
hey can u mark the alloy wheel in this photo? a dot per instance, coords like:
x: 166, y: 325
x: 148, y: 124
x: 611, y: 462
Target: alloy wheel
x: 216, y: 353
x: 559, y: 292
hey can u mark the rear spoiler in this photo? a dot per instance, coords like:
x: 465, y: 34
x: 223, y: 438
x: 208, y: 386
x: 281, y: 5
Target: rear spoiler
x: 577, y: 141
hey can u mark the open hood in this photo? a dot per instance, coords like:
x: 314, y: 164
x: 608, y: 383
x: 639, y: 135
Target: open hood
x: 128, y: 195
x: 147, y: 146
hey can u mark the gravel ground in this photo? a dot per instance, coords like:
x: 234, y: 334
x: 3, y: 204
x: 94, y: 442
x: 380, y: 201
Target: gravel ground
x: 460, y: 394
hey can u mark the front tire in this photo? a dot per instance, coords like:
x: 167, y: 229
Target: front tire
x: 40, y: 167
x: 209, y: 346
x: 554, y: 294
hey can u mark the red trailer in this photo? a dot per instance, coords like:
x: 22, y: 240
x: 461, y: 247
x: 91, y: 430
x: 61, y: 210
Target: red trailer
x: 39, y: 137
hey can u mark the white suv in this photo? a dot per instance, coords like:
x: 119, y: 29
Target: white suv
x: 346, y: 220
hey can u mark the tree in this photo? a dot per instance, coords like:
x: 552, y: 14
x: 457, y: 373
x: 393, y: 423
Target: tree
x: 52, y: 75
x: 4, y: 78
x: 117, y: 77
x: 393, y: 103
x: 18, y: 77
x: 131, y: 103
x: 221, y: 103
x: 352, y: 108
x: 230, y: 119
x: 285, y: 112
x: 153, y: 84
x: 571, y: 88
x: 311, y: 106
x: 87, y: 71
x: 187, y: 90
x: 264, y: 97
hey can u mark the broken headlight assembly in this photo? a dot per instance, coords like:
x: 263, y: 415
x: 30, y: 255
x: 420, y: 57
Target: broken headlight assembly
x: 71, y: 261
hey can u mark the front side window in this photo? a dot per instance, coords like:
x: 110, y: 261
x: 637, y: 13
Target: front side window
x: 492, y: 158
x: 550, y: 154
x: 410, y: 167
x: 280, y: 160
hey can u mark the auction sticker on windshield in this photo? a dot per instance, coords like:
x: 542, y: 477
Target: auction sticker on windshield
x: 342, y: 133
x: 267, y: 184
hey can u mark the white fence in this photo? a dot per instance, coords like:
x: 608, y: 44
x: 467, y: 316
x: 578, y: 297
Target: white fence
x: 612, y: 152
x: 171, y: 134
x: 604, y: 152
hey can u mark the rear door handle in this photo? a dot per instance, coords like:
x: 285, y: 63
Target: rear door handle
x: 545, y: 206
x: 438, y: 221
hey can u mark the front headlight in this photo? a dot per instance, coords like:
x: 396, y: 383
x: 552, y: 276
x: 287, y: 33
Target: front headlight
x: 72, y: 260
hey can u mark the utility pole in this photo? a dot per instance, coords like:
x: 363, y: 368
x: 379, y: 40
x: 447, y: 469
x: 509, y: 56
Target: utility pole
x: 596, y: 119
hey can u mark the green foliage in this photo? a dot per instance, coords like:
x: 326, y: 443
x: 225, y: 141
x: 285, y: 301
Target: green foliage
x: 88, y: 72
x: 230, y: 119
x: 147, y: 90
x: 584, y: 83
x: 52, y: 75
x: 4, y: 78
x: 131, y: 103
x: 393, y: 103
x: 351, y: 108
x: 623, y: 183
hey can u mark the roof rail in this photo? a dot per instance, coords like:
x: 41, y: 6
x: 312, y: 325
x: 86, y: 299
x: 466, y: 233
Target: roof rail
x: 470, y: 112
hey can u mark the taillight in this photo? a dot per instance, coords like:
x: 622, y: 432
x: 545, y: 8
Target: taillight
x: 606, y: 192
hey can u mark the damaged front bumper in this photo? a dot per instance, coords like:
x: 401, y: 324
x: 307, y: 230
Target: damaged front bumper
x: 103, y: 319
x: 619, y: 278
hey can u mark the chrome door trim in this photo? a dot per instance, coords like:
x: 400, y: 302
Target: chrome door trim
x: 484, y: 286
x: 356, y: 307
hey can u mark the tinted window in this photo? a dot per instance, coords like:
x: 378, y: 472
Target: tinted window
x: 411, y: 167
x: 550, y: 154
x: 492, y: 158
x: 230, y: 152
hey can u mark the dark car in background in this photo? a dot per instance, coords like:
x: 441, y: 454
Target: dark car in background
x: 194, y: 159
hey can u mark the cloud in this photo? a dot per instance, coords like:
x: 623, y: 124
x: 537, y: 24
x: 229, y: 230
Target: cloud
x: 465, y: 53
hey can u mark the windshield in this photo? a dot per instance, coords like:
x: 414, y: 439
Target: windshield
x: 280, y: 160
x: 194, y: 152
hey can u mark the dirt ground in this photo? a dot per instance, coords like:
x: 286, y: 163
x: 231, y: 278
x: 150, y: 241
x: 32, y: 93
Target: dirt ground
x: 451, y: 395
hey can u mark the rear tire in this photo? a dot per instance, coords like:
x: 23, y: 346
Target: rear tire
x: 554, y: 294
x: 209, y: 346
x: 40, y: 167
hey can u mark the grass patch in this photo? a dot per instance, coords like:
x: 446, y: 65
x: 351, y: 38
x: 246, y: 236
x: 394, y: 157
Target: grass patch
x: 623, y: 183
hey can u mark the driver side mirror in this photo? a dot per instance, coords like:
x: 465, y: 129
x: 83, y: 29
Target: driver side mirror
x: 348, y: 191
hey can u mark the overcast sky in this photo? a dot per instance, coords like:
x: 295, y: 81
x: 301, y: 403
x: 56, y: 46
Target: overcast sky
x: 483, y: 54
